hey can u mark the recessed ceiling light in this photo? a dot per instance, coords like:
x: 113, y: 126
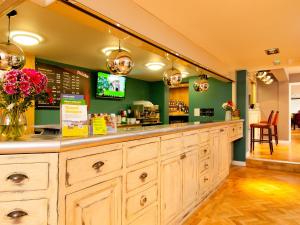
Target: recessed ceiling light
x: 108, y: 50
x: 155, y: 65
x: 25, y: 38
x: 184, y: 74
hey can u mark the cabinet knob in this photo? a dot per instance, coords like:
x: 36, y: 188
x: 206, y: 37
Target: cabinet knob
x: 206, y: 165
x: 17, y: 214
x: 143, y: 176
x: 98, y: 165
x: 183, y: 156
x: 205, y: 150
x: 17, y: 178
x: 205, y: 179
x: 143, y: 200
x: 221, y: 130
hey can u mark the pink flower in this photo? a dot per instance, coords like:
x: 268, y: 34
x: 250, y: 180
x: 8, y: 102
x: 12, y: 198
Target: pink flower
x: 9, y: 88
x: 24, y: 87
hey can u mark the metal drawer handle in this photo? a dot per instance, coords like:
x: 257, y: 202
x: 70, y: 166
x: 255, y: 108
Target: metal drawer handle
x: 17, y: 178
x: 183, y: 156
x: 98, y: 165
x: 221, y: 130
x: 205, y: 179
x: 143, y: 176
x: 17, y: 214
x: 206, y: 165
x: 143, y: 200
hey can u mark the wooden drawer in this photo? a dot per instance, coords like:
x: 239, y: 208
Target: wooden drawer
x: 150, y: 217
x: 203, y: 137
x: 204, y: 165
x: 142, y: 176
x: 29, y: 212
x: 141, y: 150
x: 204, y: 151
x: 190, y: 139
x: 24, y: 177
x: 141, y: 200
x: 91, y: 166
x: 171, y: 145
x: 239, y: 130
x: 204, y: 182
x: 232, y: 131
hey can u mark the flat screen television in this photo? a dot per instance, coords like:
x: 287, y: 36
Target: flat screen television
x: 110, y: 86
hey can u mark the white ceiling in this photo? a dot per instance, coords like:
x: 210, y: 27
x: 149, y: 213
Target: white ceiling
x: 72, y: 37
x: 236, y: 31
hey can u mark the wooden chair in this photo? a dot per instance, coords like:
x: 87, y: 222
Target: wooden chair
x: 262, y: 126
x: 275, y: 130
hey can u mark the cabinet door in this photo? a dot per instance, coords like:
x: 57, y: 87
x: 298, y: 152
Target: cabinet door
x: 224, y: 151
x: 190, y: 178
x: 215, y: 156
x: 97, y: 205
x: 171, y: 188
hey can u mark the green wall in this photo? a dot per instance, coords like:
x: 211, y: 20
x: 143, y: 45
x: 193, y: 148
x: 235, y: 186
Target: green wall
x: 159, y: 95
x: 135, y: 90
x: 218, y: 93
x: 242, y: 91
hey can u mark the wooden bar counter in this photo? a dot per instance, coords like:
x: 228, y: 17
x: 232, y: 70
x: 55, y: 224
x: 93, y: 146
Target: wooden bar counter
x: 139, y: 176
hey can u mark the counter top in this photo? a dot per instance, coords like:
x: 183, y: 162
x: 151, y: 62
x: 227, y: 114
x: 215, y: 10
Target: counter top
x: 44, y: 143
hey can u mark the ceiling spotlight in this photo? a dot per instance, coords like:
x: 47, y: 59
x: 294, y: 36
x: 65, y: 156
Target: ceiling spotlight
x: 184, y: 74
x: 272, y: 51
x: 25, y: 38
x: 261, y: 74
x: 266, y: 79
x: 108, y: 50
x: 155, y: 66
x: 269, y: 81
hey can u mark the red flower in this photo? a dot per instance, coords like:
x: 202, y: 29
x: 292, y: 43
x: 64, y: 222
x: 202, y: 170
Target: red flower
x: 50, y: 100
x: 10, y: 88
x: 230, y: 103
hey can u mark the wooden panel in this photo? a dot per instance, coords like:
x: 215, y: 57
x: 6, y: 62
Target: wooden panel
x: 150, y: 217
x: 171, y: 189
x: 190, y: 140
x: 88, y: 167
x: 30, y: 212
x: 190, y: 179
x: 99, y: 204
x: 24, y: 177
x: 142, y: 176
x: 141, y: 150
x: 171, y: 145
x: 140, y: 201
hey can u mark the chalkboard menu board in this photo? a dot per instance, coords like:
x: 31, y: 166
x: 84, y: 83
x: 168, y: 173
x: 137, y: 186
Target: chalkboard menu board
x: 63, y: 80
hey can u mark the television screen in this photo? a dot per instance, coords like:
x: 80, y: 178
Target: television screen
x: 110, y: 86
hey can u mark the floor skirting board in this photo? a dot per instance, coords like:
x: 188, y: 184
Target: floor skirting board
x: 238, y: 163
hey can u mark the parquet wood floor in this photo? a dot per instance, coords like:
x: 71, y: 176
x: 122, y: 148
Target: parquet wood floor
x: 252, y: 196
x: 285, y: 152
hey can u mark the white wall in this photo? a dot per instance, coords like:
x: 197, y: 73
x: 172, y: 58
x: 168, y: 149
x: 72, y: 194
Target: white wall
x: 295, y: 105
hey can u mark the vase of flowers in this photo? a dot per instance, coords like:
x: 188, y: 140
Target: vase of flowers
x: 228, y: 108
x: 18, y: 90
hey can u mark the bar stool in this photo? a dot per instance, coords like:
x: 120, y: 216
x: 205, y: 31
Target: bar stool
x: 262, y: 126
x: 275, y: 130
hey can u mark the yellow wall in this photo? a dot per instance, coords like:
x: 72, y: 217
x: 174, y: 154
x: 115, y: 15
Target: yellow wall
x: 30, y: 63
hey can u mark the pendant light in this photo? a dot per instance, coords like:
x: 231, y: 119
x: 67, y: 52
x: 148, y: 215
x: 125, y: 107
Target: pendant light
x: 11, y: 56
x: 172, y: 77
x: 119, y: 62
x: 201, y: 84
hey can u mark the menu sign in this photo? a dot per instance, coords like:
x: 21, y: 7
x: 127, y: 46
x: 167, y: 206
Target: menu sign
x: 62, y: 80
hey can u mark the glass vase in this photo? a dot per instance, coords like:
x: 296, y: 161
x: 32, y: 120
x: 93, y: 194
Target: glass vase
x: 13, y: 124
x: 227, y: 115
